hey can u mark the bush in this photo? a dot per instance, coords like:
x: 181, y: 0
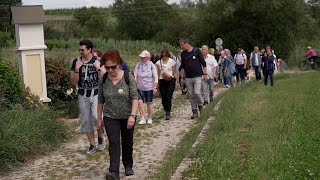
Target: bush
x: 27, y: 133
x: 58, y: 79
x: 57, y: 43
x: 58, y: 82
x: 11, y: 86
x: 5, y: 39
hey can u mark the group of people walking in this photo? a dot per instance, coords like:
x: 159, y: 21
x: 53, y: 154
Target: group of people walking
x: 110, y: 96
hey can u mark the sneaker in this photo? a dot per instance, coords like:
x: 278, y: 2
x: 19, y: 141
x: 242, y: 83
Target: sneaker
x: 205, y: 103
x: 142, y: 120
x: 112, y: 176
x: 101, y: 144
x: 128, y: 171
x: 92, y: 149
x: 149, y: 121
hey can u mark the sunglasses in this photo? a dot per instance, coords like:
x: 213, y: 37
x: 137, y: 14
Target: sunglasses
x: 111, y: 67
x: 82, y: 50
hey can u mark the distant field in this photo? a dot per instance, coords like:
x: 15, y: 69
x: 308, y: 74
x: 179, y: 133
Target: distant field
x: 265, y: 132
x: 68, y: 50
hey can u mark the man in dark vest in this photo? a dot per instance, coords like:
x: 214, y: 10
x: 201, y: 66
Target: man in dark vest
x: 255, y: 60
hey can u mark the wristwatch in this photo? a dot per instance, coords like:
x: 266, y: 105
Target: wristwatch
x: 133, y: 115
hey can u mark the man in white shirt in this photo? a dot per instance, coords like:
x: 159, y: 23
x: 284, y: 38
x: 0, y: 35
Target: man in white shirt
x: 255, y: 60
x: 207, y: 86
x: 241, y: 63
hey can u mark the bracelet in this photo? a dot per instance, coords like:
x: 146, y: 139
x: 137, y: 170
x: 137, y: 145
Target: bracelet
x: 133, y: 115
x: 76, y: 71
x: 205, y: 74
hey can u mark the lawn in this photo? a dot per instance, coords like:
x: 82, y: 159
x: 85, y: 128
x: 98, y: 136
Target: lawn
x: 264, y: 132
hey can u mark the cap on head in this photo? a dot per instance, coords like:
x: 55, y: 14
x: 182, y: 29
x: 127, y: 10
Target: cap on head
x: 309, y: 47
x: 144, y: 54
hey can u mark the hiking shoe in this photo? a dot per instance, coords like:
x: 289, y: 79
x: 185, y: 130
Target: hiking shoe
x: 142, y: 120
x: 194, y: 113
x: 205, y: 103
x: 200, y: 108
x: 128, y: 171
x: 92, y: 149
x: 101, y: 144
x: 112, y: 176
x: 149, y: 120
x: 168, y: 116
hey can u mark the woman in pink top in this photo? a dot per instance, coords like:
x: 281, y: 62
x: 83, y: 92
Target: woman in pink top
x: 147, y: 82
x: 311, y: 54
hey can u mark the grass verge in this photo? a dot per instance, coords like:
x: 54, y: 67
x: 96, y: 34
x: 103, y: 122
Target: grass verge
x: 28, y: 133
x: 174, y: 156
x: 264, y: 132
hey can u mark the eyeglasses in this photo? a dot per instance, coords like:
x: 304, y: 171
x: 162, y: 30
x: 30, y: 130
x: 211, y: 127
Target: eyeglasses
x: 82, y: 50
x: 111, y: 67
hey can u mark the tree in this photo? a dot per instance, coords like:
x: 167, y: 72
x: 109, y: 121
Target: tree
x: 5, y: 12
x: 94, y: 22
x: 246, y: 23
x: 142, y: 19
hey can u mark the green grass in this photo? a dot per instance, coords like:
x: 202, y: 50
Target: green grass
x: 27, y: 133
x: 174, y: 156
x: 264, y: 132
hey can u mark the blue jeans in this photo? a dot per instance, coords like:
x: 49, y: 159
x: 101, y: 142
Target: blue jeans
x: 147, y: 96
x: 257, y: 72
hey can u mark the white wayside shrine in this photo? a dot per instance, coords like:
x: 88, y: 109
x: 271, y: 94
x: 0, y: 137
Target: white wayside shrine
x: 28, y: 21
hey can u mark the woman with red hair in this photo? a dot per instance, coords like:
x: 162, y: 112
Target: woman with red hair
x: 118, y: 101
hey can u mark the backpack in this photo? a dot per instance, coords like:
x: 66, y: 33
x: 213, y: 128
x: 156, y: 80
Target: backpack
x: 236, y: 58
x: 126, y: 79
x: 231, y: 68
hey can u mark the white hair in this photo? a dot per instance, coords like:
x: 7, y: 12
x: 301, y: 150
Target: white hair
x: 205, y: 47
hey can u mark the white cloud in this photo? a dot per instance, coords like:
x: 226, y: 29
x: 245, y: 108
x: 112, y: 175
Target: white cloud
x: 55, y: 4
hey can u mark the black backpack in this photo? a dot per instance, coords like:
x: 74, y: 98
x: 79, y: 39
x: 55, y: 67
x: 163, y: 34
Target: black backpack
x: 126, y: 79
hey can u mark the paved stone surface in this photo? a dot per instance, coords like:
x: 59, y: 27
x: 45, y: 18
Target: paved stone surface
x: 151, y: 144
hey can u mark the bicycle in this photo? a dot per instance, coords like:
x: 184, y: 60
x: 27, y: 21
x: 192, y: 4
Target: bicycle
x: 307, y: 64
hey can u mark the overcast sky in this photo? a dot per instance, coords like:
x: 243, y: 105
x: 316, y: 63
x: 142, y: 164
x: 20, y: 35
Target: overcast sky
x: 55, y: 4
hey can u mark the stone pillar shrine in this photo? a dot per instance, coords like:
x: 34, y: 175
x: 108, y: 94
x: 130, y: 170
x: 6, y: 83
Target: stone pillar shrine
x: 28, y: 21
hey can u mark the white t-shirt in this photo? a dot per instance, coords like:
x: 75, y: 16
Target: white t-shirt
x: 240, y: 58
x: 166, y: 68
x: 211, y: 63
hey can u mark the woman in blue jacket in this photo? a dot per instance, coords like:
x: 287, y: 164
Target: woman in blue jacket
x: 268, y: 67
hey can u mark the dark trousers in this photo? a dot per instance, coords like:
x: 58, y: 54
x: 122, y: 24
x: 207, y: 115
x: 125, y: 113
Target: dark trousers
x: 116, y: 128
x: 257, y: 72
x: 166, y: 90
x: 270, y: 74
x: 240, y: 71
